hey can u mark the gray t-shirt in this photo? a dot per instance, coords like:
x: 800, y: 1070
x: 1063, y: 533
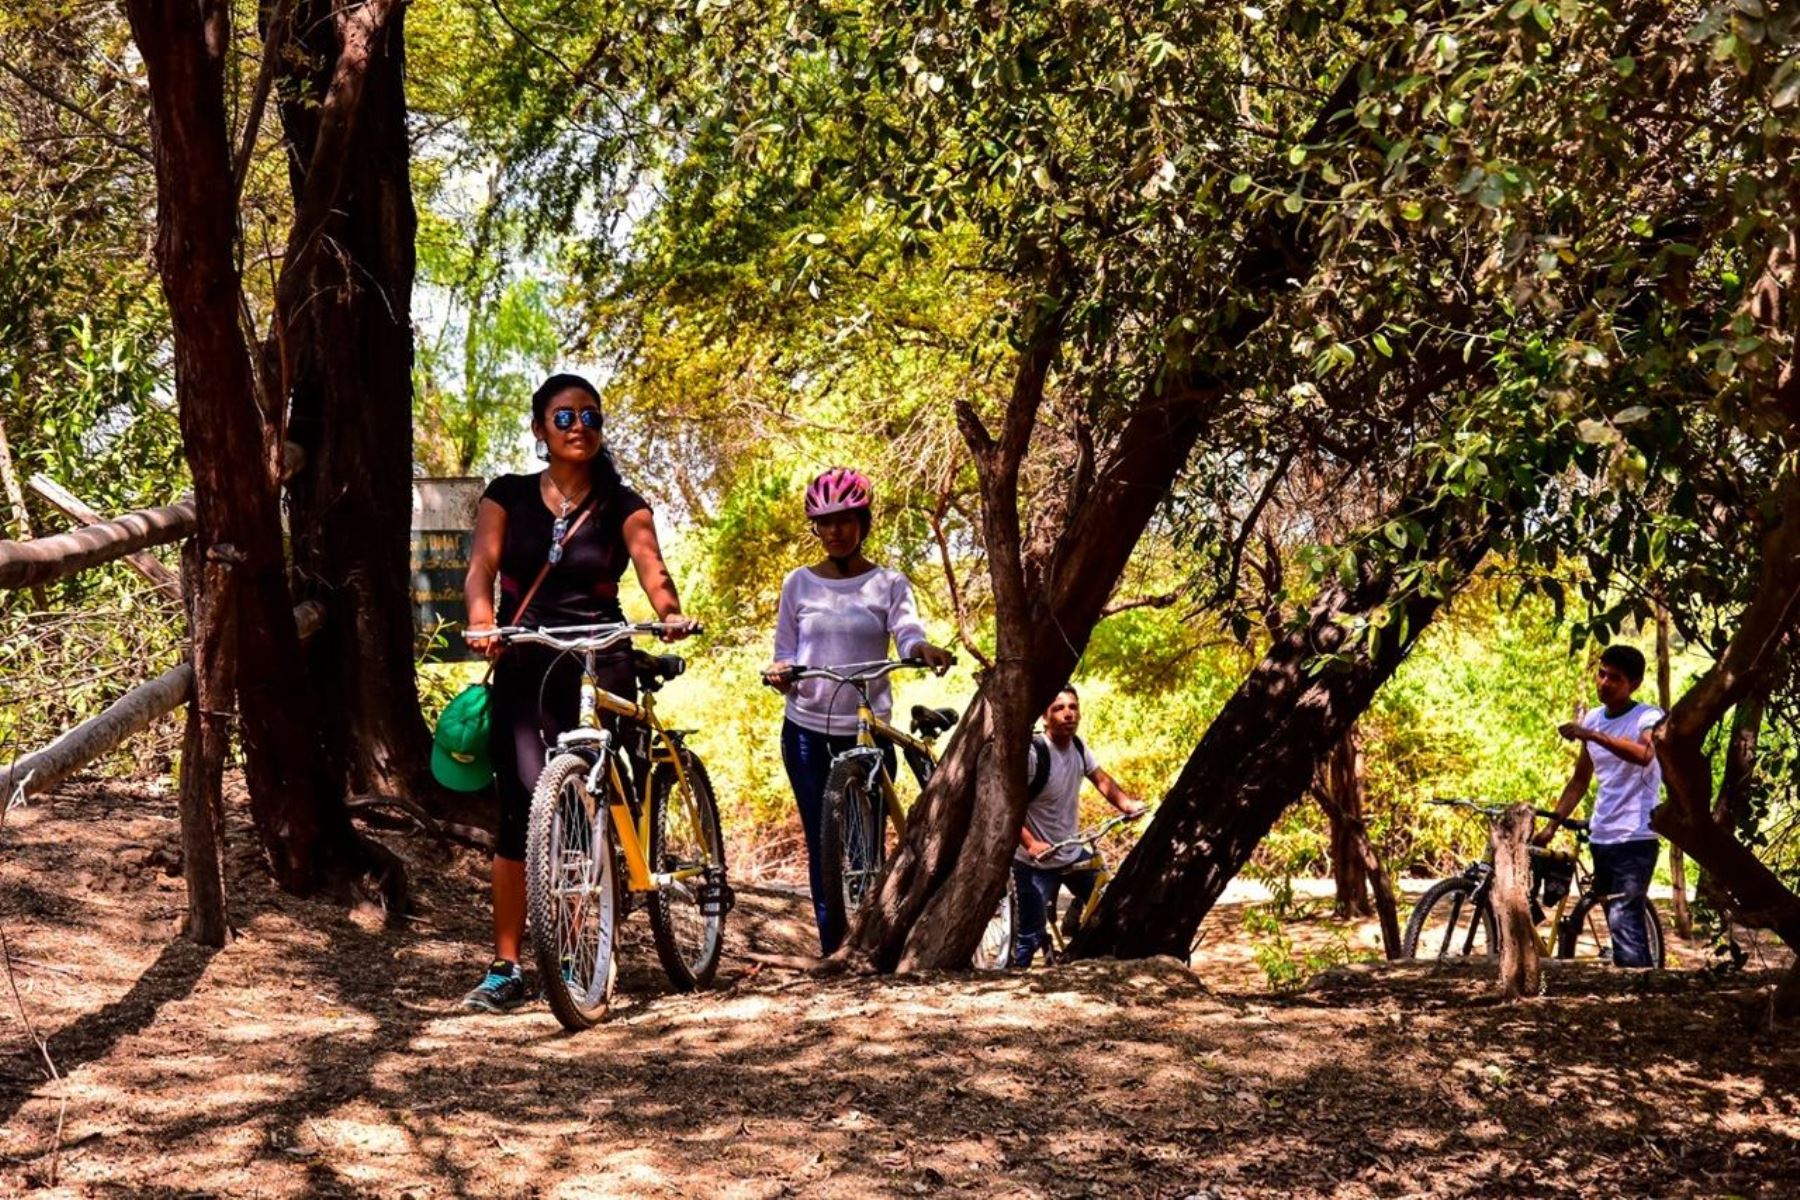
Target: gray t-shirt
x: 1056, y: 813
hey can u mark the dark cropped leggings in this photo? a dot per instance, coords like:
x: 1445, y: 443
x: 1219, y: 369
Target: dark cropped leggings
x: 523, y: 729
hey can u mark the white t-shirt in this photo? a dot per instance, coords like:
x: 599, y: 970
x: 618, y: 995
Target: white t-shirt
x: 1056, y: 812
x: 1627, y: 791
x: 839, y: 623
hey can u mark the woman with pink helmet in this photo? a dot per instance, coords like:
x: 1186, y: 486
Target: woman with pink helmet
x: 837, y: 612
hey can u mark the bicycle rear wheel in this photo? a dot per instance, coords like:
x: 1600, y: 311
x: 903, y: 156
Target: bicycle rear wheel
x: 853, y: 843
x: 1449, y: 922
x: 687, y: 917
x: 570, y: 893
x: 994, y: 953
x: 1585, y: 934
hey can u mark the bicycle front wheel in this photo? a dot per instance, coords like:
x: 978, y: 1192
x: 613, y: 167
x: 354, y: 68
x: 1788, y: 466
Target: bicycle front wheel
x: 687, y: 915
x: 994, y: 953
x: 1585, y: 934
x: 1449, y: 922
x: 853, y: 844
x: 570, y: 893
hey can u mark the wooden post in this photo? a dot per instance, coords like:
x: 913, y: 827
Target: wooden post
x: 9, y: 480
x: 1684, y: 920
x: 1521, y: 972
x: 73, y: 507
x: 203, y: 746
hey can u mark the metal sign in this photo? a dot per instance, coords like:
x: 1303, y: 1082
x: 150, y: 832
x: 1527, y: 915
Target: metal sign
x: 443, y: 531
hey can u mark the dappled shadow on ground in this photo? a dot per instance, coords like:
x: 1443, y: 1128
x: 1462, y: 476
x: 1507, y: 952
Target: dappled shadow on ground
x: 320, y: 1054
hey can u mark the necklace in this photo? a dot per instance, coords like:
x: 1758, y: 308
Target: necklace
x: 568, y: 501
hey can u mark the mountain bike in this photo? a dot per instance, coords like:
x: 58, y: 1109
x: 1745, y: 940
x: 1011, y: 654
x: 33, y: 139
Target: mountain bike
x: 595, y: 844
x: 861, y: 802
x: 1076, y: 915
x: 1455, y: 917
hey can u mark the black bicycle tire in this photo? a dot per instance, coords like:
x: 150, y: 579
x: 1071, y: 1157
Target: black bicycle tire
x: 540, y: 905
x: 1653, y: 930
x: 846, y: 780
x: 683, y: 974
x: 1415, y: 924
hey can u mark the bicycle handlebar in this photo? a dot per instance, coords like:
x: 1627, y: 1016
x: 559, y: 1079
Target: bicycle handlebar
x: 852, y: 673
x: 1090, y: 836
x: 588, y: 637
x: 1490, y: 811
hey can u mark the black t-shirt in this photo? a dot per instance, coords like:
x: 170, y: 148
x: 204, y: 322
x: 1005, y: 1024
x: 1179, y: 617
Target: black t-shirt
x: 584, y: 586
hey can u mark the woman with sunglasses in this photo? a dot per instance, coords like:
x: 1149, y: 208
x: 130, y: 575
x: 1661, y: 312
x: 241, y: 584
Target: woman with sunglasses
x: 577, y: 516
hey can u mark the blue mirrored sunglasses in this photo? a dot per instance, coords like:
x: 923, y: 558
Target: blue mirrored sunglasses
x: 565, y: 418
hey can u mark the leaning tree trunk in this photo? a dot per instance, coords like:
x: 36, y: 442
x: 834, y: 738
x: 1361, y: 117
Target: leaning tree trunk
x: 1258, y: 756
x: 232, y: 449
x: 1362, y: 885
x: 1754, y: 893
x: 351, y: 387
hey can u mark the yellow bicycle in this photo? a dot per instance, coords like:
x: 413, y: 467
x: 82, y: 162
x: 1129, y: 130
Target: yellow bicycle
x: 1062, y: 931
x: 861, y: 802
x: 661, y: 841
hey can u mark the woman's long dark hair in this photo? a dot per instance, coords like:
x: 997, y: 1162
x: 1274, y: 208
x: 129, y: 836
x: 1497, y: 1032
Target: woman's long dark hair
x: 603, y: 472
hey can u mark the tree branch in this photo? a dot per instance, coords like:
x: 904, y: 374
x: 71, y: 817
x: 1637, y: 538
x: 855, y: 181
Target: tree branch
x: 100, y: 127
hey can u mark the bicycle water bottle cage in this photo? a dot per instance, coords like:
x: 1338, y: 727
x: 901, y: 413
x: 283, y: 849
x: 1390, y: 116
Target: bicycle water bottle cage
x: 715, y: 895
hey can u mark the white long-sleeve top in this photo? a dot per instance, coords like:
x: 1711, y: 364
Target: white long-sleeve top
x: 836, y: 623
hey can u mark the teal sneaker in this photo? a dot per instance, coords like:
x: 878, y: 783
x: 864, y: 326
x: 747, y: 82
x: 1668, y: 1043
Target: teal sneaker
x: 502, y: 989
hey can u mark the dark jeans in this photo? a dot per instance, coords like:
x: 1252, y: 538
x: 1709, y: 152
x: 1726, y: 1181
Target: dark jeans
x: 807, y: 756
x: 1038, y: 888
x: 1622, y: 874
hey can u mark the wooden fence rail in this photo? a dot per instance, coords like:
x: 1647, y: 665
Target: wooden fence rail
x: 37, y: 561
x: 46, y: 559
x: 40, y: 771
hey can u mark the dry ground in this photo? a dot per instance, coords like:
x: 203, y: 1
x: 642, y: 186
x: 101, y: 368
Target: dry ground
x: 320, y: 1055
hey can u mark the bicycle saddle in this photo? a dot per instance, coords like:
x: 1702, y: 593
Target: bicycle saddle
x: 658, y: 668
x: 932, y: 721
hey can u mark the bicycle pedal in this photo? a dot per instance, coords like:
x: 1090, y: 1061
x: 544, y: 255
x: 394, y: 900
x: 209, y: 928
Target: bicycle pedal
x: 716, y: 896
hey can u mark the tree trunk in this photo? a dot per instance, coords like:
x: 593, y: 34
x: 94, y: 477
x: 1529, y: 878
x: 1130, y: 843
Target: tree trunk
x: 1752, y: 892
x: 1363, y: 889
x: 203, y: 746
x: 1072, y: 585
x: 1521, y: 972
x: 1342, y: 799
x: 1258, y: 756
x: 350, y: 363
x: 233, y: 451
x: 1733, y: 807
x: 1684, y: 920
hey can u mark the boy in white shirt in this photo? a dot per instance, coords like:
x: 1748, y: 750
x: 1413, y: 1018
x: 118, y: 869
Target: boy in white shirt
x: 1617, y: 750
x: 1056, y: 765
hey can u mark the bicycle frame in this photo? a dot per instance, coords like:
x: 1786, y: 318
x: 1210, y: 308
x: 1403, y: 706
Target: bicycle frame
x: 868, y: 750
x: 597, y: 745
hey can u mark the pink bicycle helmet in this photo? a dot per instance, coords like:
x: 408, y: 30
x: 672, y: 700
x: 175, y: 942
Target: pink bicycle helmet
x: 841, y: 489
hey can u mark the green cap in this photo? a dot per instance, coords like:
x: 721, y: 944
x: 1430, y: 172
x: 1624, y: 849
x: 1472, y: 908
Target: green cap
x: 459, y: 748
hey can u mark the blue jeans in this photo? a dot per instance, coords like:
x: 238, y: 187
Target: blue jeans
x: 1037, y: 888
x: 1622, y: 874
x: 807, y: 756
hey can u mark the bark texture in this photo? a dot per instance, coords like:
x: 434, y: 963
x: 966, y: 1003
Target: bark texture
x: 204, y: 744
x: 347, y: 356
x: 1521, y: 968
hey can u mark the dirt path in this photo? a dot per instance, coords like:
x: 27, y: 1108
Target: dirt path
x: 319, y: 1055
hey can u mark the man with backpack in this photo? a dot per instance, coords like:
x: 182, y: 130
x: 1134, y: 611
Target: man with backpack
x: 1057, y: 762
